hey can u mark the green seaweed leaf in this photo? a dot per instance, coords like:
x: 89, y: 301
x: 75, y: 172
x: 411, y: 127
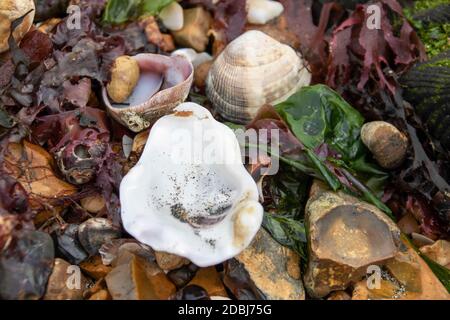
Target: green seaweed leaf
x: 121, y: 11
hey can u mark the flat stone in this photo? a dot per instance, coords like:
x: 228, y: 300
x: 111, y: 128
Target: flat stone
x: 139, y: 279
x: 194, y: 33
x: 64, y: 284
x: 168, y: 261
x: 26, y: 266
x: 345, y: 236
x: 261, y: 271
x: 210, y: 280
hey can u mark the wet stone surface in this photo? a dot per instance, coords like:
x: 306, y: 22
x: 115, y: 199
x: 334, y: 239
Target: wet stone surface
x: 26, y: 265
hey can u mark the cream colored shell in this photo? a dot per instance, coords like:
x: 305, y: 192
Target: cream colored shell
x: 254, y: 70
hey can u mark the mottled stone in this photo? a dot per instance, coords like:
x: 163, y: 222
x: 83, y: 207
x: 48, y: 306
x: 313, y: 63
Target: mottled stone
x: 25, y: 266
x: 168, y: 261
x: 261, y: 271
x: 65, y: 283
x: 139, y: 279
x: 345, y: 236
x: 410, y: 278
x: 94, y: 232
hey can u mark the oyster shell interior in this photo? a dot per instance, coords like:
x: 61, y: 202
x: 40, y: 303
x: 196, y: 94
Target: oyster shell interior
x: 190, y: 194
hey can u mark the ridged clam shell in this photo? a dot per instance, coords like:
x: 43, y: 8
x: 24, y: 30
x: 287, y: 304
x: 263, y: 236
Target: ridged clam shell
x: 427, y: 88
x: 177, y: 75
x: 254, y: 70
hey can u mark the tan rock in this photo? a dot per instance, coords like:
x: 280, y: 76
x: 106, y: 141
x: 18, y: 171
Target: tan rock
x: 195, y: 30
x: 94, y: 267
x: 345, y: 236
x: 200, y: 74
x: 93, y: 204
x: 210, y: 280
x: 139, y: 279
x: 48, y: 25
x: 101, y: 295
x: 262, y: 269
x: 412, y: 280
x: 60, y: 285
x: 439, y: 252
x: 10, y: 10
x: 339, y: 295
x: 168, y: 261
x: 33, y: 167
x: 408, y: 224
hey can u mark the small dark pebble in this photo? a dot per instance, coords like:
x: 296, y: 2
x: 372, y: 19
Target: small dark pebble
x: 68, y: 246
x: 192, y: 292
x: 180, y: 277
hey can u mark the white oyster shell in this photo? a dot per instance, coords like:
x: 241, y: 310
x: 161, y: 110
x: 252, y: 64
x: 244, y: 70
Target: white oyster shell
x: 190, y: 194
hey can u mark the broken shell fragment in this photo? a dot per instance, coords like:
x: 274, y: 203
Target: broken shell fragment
x: 197, y: 200
x: 164, y: 82
x: 387, y: 144
x: 252, y: 71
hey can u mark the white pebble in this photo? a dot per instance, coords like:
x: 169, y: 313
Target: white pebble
x: 194, y: 57
x: 172, y: 16
x: 262, y: 11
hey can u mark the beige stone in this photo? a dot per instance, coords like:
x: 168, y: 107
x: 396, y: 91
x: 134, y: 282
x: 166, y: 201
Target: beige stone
x: 439, y: 252
x: 195, y: 30
x: 93, y: 204
x: 168, y: 261
x: 262, y: 268
x: 345, y: 236
x: 10, y: 10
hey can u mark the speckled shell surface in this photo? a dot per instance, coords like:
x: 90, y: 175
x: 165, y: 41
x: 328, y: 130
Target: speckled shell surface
x: 253, y: 70
x: 190, y: 194
x: 178, y: 74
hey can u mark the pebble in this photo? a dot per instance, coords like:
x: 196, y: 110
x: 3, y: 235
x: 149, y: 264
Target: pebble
x: 69, y: 246
x: 94, y: 232
x: 25, y: 266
